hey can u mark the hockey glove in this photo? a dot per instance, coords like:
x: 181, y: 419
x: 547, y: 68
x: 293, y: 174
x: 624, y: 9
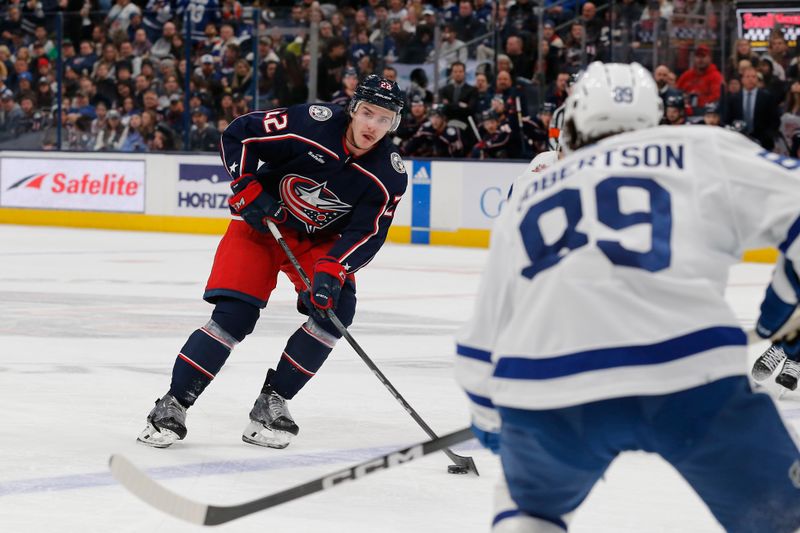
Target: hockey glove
x: 254, y: 205
x: 488, y: 439
x: 329, y: 276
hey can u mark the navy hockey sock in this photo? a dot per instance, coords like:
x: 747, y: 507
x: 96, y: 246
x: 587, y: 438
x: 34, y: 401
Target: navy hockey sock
x: 198, y: 362
x: 208, y: 348
x: 304, y: 354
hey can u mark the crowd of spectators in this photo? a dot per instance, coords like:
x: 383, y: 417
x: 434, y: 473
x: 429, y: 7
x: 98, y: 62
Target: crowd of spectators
x: 124, y: 66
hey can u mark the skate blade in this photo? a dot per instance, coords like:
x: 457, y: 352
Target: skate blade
x: 259, y: 435
x: 155, y: 438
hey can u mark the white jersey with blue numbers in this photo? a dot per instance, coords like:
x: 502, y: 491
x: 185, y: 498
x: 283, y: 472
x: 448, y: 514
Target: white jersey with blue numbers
x: 606, y: 272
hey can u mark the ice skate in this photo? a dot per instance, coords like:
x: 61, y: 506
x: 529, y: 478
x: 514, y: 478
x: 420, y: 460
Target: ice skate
x: 271, y: 424
x: 768, y: 362
x: 789, y: 375
x: 166, y: 423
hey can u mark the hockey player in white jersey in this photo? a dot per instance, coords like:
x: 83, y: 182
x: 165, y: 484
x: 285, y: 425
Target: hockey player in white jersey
x: 601, y: 327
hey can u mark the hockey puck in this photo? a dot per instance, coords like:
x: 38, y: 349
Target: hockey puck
x: 457, y: 469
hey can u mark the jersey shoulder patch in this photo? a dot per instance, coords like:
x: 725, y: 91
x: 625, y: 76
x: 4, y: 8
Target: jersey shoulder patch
x: 320, y: 113
x: 397, y: 163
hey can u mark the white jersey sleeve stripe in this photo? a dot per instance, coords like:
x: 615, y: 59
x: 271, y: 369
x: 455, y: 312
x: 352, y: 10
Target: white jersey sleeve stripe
x: 620, y: 356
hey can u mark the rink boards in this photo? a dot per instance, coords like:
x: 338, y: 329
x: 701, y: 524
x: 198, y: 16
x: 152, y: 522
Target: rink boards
x: 448, y: 202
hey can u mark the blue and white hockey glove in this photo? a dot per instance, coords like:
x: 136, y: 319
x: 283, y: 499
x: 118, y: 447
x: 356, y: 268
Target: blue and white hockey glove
x: 254, y: 204
x: 780, y: 301
x: 486, y: 425
x: 488, y: 439
x: 326, y: 286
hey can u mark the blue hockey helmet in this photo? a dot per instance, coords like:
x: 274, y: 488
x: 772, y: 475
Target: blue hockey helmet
x: 380, y: 92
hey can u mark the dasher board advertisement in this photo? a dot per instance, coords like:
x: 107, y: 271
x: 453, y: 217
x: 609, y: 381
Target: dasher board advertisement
x: 72, y: 184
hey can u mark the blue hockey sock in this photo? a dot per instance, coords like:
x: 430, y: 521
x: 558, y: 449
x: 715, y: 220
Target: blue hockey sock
x: 304, y: 354
x: 198, y: 362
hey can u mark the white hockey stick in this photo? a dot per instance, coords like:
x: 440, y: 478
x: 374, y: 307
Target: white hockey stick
x: 204, y: 514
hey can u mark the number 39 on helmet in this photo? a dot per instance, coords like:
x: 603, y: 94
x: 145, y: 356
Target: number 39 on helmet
x: 380, y: 92
x: 610, y: 98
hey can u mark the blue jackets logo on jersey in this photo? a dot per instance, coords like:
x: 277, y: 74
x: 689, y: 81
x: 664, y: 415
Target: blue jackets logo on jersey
x: 310, y: 202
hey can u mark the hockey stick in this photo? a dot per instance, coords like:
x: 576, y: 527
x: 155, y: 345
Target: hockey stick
x: 462, y: 464
x: 163, y: 499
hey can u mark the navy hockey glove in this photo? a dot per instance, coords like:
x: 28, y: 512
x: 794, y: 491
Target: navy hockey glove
x: 488, y: 439
x: 329, y: 276
x: 254, y: 205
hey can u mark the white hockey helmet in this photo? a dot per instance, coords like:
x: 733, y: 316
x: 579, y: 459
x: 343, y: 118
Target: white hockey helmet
x: 610, y: 98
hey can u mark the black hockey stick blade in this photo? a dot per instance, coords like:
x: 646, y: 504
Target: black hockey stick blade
x: 171, y: 503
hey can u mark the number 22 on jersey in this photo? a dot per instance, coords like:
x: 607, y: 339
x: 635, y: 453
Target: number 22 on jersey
x: 609, y: 213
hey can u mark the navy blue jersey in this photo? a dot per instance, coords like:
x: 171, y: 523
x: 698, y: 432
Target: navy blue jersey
x: 430, y: 142
x: 323, y: 186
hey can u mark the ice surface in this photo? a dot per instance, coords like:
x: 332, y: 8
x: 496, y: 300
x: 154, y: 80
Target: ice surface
x: 91, y: 321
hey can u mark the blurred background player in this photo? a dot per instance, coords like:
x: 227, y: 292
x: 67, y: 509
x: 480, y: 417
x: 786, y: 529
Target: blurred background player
x: 332, y: 185
x: 613, y: 334
x: 435, y: 138
x: 674, y: 112
x: 497, y: 139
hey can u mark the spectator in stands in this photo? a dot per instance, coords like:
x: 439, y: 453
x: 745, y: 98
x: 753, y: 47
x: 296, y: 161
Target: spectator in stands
x: 756, y: 108
x: 100, y: 120
x: 466, y: 25
x: 576, y: 52
x: 458, y: 97
x: 330, y: 69
x: 777, y: 54
x: 30, y: 119
x: 771, y: 83
x: 165, y: 139
x: 120, y: 15
x: 547, y: 63
x: 560, y: 10
x: 156, y: 14
x: 163, y: 46
x: 242, y: 79
x: 592, y: 24
x: 44, y: 94
x: 484, y: 93
x: 349, y: 83
x: 519, y: 20
x: 420, y: 46
x: 108, y: 138
x: 436, y: 138
x: 741, y: 51
x: 702, y: 83
x: 361, y: 47
x: 203, y: 137
x: 11, y: 26
x: 521, y: 59
x: 451, y: 48
x: 390, y: 73
x: 131, y: 139
x: 665, y: 90
x: 173, y: 117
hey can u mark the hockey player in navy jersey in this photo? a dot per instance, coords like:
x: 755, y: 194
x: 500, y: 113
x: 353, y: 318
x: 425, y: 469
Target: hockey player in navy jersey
x: 601, y: 326
x: 331, y: 179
